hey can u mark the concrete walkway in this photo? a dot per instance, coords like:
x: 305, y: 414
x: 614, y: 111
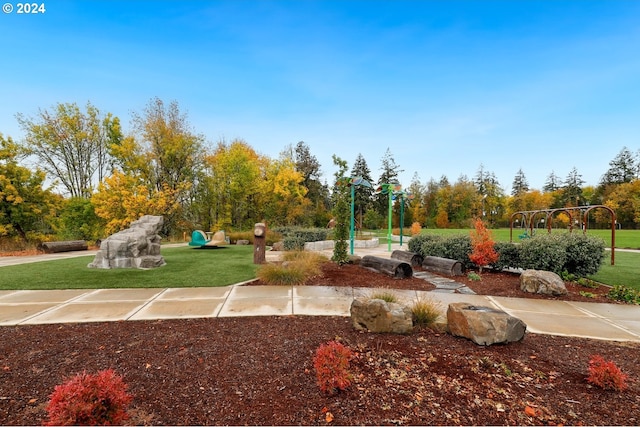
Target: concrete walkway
x: 20, y: 307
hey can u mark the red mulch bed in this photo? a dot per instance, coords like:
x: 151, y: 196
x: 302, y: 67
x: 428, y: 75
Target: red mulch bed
x: 259, y: 371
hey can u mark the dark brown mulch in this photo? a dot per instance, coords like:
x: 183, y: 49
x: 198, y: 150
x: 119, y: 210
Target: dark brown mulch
x: 259, y: 371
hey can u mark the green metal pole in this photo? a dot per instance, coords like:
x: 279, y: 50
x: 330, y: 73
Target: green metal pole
x: 401, y: 216
x: 353, y: 197
x: 390, y: 212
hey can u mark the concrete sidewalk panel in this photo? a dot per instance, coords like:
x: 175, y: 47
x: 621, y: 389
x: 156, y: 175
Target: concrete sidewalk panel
x: 56, y: 296
x: 123, y: 294
x: 583, y: 327
x: 322, y: 292
x: 261, y: 292
x: 322, y: 306
x: 540, y: 306
x: 180, y: 309
x: 88, y: 312
x: 14, y: 314
x: 259, y: 306
x: 611, y: 311
x: 195, y: 293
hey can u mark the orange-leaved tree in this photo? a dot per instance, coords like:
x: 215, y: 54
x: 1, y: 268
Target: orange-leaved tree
x: 483, y: 245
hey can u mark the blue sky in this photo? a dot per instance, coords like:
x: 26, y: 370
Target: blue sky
x: 446, y: 85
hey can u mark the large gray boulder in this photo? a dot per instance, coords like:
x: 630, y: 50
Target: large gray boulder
x: 484, y: 325
x: 136, y: 247
x: 376, y: 315
x: 542, y: 282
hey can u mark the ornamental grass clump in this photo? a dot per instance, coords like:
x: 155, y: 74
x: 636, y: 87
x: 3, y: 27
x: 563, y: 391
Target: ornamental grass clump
x: 426, y: 312
x: 606, y: 374
x: 297, y: 267
x: 331, y: 363
x: 309, y: 262
x: 281, y: 274
x: 384, y: 296
x: 90, y: 399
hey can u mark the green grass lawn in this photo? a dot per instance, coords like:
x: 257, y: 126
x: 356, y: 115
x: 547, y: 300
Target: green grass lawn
x: 186, y: 267
x: 626, y: 270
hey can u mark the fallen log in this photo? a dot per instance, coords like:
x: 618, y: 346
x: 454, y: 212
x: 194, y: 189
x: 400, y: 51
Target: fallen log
x: 64, y: 246
x: 411, y: 257
x: 449, y: 267
x: 392, y: 267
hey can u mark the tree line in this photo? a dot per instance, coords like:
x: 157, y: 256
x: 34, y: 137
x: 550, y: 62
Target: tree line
x: 91, y: 179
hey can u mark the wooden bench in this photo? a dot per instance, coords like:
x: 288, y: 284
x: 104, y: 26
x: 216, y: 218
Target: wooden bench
x: 449, y: 267
x: 392, y: 267
x: 411, y: 257
x: 64, y: 246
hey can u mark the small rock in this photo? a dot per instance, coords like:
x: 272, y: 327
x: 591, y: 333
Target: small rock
x: 377, y: 315
x: 542, y: 282
x: 484, y: 325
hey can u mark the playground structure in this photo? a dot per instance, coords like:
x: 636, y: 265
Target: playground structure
x: 578, y: 216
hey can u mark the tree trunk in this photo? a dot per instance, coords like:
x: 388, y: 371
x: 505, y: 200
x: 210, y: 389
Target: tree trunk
x: 449, y: 267
x: 392, y: 267
x: 66, y: 246
x: 411, y: 257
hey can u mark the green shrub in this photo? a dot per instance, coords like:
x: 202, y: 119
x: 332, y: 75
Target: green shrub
x: 295, y: 237
x: 459, y: 248
x: 293, y: 243
x: 78, y: 221
x: 543, y: 252
x: 427, y: 245
x: 508, y: 256
x: 585, y: 254
x: 474, y: 276
x: 565, y: 254
x: 588, y: 283
x: 625, y: 294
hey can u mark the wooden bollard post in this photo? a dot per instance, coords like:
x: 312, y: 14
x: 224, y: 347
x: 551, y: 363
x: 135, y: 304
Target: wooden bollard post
x: 259, y: 245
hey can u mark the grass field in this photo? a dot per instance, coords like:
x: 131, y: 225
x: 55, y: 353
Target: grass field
x: 627, y: 239
x: 186, y: 267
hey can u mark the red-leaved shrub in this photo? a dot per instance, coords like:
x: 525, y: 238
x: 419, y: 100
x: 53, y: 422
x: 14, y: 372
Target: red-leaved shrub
x: 606, y: 374
x: 331, y: 363
x: 90, y: 399
x: 483, y: 246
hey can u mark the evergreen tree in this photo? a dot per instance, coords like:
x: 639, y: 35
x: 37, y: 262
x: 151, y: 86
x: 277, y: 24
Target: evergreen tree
x: 552, y: 183
x: 572, y: 189
x: 623, y: 168
x: 520, y: 184
x: 389, y: 175
x: 341, y: 212
x: 363, y: 194
x: 317, y: 193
